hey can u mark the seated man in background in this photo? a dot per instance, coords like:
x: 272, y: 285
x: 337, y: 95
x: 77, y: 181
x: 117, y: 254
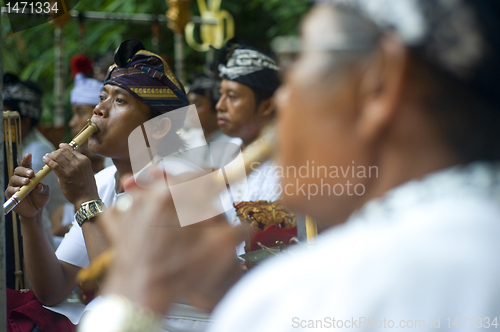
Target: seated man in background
x: 411, y: 87
x: 204, y: 94
x: 84, y: 97
x: 245, y: 107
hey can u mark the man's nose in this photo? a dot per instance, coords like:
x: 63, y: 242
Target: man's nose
x: 220, y: 106
x: 100, y: 109
x: 72, y: 122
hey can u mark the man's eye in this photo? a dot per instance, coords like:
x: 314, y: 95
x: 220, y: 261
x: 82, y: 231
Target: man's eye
x: 101, y: 97
x: 119, y: 100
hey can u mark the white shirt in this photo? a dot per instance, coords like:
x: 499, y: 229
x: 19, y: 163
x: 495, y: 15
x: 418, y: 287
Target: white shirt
x: 219, y: 136
x: 72, y: 248
x: 195, y: 137
x: 262, y: 184
x: 426, y: 252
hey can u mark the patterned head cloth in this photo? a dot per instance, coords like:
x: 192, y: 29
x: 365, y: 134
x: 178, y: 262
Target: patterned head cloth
x: 459, y: 37
x: 206, y: 86
x: 86, y: 90
x: 24, y: 97
x: 237, y: 61
x: 147, y: 77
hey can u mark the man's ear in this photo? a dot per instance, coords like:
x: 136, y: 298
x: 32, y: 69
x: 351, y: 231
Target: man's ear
x: 382, y: 87
x: 161, y: 128
x: 267, y: 106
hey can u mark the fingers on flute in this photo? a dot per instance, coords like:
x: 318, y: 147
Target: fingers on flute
x: 20, y: 178
x: 10, y: 191
x: 18, y: 181
x: 66, y: 151
x: 47, y: 159
x: 57, y: 159
x: 67, y: 159
x: 24, y: 172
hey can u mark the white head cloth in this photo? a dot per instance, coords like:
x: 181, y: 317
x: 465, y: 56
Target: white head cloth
x: 86, y: 90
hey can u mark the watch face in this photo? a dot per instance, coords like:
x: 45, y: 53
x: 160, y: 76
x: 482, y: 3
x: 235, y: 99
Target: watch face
x: 88, y: 211
x: 93, y: 208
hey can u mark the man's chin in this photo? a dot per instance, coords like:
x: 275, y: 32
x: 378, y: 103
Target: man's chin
x: 227, y: 131
x: 93, y: 147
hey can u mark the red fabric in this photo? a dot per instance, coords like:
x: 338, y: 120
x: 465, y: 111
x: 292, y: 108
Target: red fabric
x: 81, y: 63
x: 25, y: 312
x: 270, y: 234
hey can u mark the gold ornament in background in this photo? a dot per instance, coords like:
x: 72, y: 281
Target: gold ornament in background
x: 260, y: 214
x: 214, y: 32
x: 178, y: 14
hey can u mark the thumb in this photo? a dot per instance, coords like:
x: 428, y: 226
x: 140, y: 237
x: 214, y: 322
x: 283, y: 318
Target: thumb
x: 26, y: 162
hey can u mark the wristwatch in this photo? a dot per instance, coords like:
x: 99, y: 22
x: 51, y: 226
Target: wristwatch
x: 89, y: 210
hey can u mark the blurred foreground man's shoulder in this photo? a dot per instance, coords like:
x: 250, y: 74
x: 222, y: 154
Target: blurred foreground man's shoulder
x: 405, y: 256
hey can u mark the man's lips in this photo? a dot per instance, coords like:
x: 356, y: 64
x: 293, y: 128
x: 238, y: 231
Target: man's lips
x: 222, y: 121
x: 98, y: 127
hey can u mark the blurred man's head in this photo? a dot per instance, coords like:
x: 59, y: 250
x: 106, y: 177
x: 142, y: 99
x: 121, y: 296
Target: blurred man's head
x: 24, y: 97
x: 249, y: 80
x: 204, y: 94
x: 101, y: 65
x: 380, y: 86
x: 84, y: 97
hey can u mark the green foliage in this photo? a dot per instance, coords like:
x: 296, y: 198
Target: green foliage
x: 286, y: 15
x: 30, y: 53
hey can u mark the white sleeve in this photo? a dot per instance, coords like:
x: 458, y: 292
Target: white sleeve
x: 72, y: 249
x: 68, y: 214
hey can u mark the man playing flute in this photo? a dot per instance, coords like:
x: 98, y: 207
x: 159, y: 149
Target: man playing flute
x: 139, y: 87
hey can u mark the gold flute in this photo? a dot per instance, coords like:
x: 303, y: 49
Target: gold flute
x: 81, y: 137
